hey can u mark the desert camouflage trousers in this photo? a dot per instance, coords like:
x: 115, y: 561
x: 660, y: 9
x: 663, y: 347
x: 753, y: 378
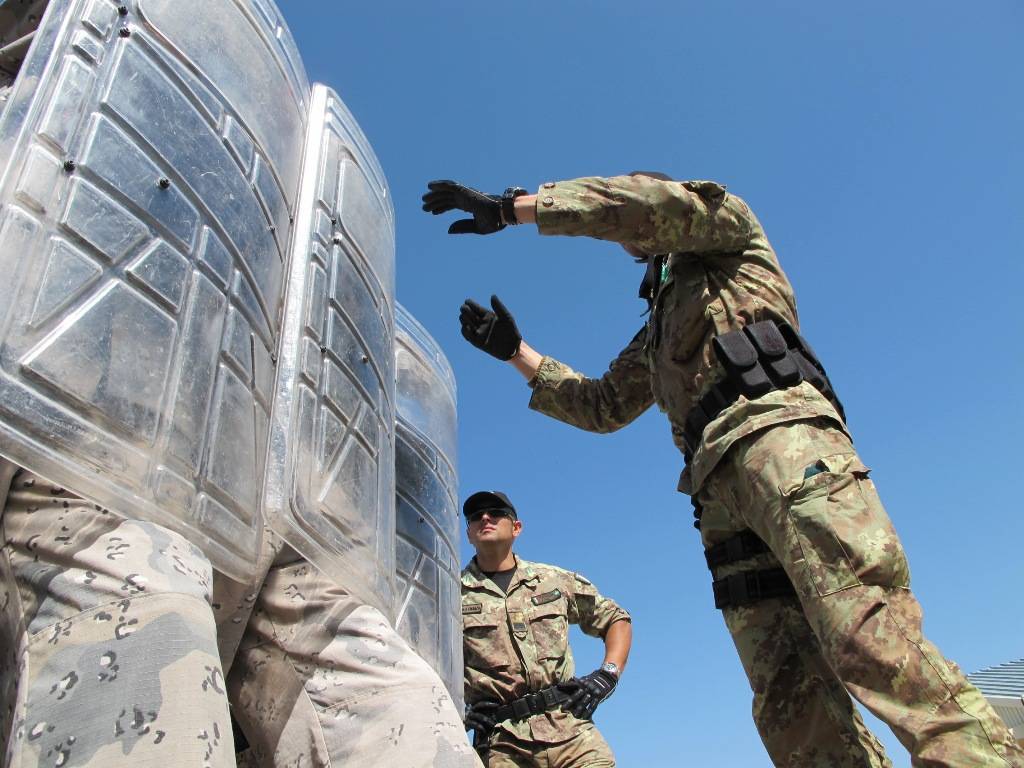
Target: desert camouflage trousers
x: 117, y: 636
x: 586, y: 749
x: 854, y: 628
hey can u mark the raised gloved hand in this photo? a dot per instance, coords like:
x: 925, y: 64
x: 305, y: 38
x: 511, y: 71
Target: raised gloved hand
x: 447, y: 196
x: 480, y: 718
x: 493, y: 332
x: 587, y: 692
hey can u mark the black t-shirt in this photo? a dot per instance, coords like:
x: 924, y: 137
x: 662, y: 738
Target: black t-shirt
x: 502, y: 578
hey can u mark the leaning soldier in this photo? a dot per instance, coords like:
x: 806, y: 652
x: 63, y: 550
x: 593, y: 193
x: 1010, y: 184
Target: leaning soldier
x: 526, y: 707
x: 120, y: 645
x: 808, y: 571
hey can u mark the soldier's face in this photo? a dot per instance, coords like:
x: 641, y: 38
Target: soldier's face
x: 489, y: 528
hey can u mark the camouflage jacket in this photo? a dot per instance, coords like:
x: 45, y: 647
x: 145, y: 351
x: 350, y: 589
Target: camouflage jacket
x: 720, y: 274
x: 518, y: 642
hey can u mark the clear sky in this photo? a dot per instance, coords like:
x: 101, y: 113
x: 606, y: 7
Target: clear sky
x: 880, y: 145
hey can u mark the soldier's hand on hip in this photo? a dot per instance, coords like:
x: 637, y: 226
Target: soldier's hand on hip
x: 587, y: 692
x: 447, y: 196
x: 479, y: 717
x: 494, y: 332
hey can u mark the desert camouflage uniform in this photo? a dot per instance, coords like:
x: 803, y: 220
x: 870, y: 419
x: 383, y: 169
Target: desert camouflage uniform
x: 117, y: 622
x: 518, y: 642
x: 782, y: 465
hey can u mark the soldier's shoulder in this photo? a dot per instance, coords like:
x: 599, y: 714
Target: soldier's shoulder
x: 554, y: 572
x: 716, y: 194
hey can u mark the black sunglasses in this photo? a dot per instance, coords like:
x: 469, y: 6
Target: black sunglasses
x: 474, y: 517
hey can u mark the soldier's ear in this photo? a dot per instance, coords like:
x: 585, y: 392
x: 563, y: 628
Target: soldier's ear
x: 517, y: 527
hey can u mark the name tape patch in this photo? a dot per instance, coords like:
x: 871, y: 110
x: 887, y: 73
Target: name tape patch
x: 472, y: 608
x: 547, y: 597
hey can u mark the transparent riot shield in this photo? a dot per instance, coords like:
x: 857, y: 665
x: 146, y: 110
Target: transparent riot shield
x: 429, y: 614
x: 330, y: 473
x: 150, y: 154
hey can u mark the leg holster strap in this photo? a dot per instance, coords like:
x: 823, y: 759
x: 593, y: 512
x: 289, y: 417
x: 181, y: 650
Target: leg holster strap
x: 743, y: 545
x: 748, y: 587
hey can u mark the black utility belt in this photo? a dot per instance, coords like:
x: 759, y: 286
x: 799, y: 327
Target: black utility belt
x: 757, y: 359
x: 531, y: 704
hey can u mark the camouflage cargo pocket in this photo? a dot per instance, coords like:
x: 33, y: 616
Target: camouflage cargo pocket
x: 550, y: 630
x: 483, y: 643
x: 815, y: 507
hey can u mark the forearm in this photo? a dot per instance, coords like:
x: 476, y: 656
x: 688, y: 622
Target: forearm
x: 526, y: 360
x: 526, y: 209
x: 617, y: 642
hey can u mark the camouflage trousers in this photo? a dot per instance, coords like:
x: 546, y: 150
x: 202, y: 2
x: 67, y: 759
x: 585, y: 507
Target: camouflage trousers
x: 121, y: 635
x: 586, y: 749
x: 854, y: 628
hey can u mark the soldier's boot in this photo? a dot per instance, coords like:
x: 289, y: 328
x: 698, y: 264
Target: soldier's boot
x: 801, y: 487
x: 322, y: 679
x: 118, y: 656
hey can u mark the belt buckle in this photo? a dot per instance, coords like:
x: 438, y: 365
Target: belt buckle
x: 521, y: 708
x: 548, y: 694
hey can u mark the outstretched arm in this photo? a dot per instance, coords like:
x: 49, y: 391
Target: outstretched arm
x: 597, y: 405
x: 649, y: 214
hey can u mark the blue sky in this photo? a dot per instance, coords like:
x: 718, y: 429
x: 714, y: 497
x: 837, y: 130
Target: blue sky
x: 880, y: 145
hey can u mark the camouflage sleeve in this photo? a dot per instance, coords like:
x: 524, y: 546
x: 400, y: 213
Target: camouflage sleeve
x: 591, y: 610
x: 596, y: 405
x: 653, y: 215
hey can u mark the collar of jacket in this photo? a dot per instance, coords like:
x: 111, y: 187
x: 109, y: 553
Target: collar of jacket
x: 474, y: 578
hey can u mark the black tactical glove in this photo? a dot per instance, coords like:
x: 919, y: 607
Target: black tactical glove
x: 493, y: 332
x: 587, y: 692
x: 479, y: 718
x: 447, y: 196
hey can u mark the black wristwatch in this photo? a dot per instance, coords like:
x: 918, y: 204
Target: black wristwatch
x: 508, y: 204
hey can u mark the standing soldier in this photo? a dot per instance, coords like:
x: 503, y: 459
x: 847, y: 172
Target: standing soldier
x: 784, y: 503
x: 526, y: 707
x: 122, y: 629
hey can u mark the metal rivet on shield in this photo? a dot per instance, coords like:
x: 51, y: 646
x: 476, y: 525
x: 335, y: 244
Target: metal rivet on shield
x: 323, y: 349
x: 124, y: 32
x: 365, y: 358
x: 273, y: 359
x: 69, y: 165
x: 334, y: 221
x: 164, y: 183
x: 337, y: 241
x: 273, y: 228
x: 122, y: 10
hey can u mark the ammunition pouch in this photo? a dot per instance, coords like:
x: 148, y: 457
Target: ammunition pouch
x: 747, y: 587
x: 531, y: 704
x: 757, y: 359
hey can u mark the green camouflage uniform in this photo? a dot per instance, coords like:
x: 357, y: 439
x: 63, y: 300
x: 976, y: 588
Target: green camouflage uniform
x: 117, y: 637
x: 783, y: 466
x: 518, y: 642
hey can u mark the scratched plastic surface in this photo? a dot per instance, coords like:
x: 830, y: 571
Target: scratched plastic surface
x: 429, y: 614
x: 150, y: 168
x: 330, y: 489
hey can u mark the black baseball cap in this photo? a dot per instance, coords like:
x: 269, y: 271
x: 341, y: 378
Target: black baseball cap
x: 488, y: 500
